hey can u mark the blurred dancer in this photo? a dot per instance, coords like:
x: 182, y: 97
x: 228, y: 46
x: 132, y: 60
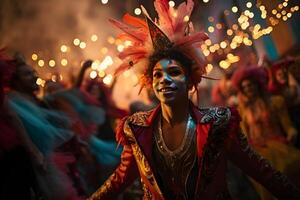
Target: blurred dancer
x: 282, y: 83
x: 87, y: 115
x: 266, y: 122
x: 47, y: 129
x: 17, y: 152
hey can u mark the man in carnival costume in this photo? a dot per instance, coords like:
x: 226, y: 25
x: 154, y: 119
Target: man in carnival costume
x: 178, y: 150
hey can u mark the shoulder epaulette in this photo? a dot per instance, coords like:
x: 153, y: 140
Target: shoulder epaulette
x: 215, y: 115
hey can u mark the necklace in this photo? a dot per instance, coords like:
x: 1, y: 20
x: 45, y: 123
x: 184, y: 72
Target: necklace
x: 175, y: 166
x: 181, y: 150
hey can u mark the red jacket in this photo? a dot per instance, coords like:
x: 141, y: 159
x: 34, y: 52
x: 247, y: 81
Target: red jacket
x: 218, y: 139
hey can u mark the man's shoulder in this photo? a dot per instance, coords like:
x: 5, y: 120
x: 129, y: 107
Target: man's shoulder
x: 140, y: 118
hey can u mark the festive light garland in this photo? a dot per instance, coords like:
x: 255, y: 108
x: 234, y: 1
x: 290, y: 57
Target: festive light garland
x: 240, y: 36
x: 237, y: 34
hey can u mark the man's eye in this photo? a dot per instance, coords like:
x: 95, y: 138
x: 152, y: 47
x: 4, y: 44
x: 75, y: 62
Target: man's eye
x: 175, y: 72
x: 157, y: 75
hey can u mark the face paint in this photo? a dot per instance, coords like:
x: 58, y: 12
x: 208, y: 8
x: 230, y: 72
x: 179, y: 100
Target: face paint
x: 169, y: 81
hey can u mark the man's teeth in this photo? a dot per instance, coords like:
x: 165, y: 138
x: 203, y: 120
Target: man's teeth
x: 166, y: 89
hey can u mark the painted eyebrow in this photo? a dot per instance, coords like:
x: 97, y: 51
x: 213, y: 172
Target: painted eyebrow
x: 156, y: 69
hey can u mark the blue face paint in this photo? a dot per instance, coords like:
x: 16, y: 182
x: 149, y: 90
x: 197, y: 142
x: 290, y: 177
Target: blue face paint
x: 169, y: 81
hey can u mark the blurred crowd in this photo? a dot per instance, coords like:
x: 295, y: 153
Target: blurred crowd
x: 61, y: 145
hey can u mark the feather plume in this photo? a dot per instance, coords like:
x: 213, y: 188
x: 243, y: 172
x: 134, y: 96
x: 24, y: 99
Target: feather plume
x: 133, y: 32
x: 191, y: 39
x: 184, y: 10
x: 130, y: 51
x: 164, y: 16
x: 134, y: 21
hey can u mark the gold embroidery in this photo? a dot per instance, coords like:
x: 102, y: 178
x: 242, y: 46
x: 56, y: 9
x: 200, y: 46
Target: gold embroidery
x: 142, y: 162
x: 102, y: 191
x: 140, y: 118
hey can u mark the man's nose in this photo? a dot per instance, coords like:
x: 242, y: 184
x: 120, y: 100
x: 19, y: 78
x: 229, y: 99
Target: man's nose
x: 166, y: 78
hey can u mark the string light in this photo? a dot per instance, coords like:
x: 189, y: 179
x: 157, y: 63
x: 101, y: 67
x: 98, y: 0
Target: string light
x: 101, y: 74
x: 186, y: 18
x: 41, y: 63
x: 206, y: 52
x: 249, y: 5
x: 108, y: 60
x: 63, y: 48
x: 40, y: 82
x: 137, y: 11
x: 232, y: 58
x: 278, y: 15
x: 223, y: 45
x: 107, y: 79
x: 120, y: 48
x: 95, y: 64
x: 209, y: 68
x: 224, y: 64
x: 212, y: 49
x: 229, y: 32
x: 233, y: 45
x: 104, y: 1
x: 211, y: 29
x: 82, y: 45
x: 51, y: 63
x: 205, y: 1
x: 93, y: 74
x: 34, y: 57
x: 94, y: 37
x: 234, y: 9
x: 64, y: 62
x: 207, y: 42
x: 171, y: 4
x: 235, y: 27
x: 262, y: 7
x: 219, y: 26
x: 76, y: 41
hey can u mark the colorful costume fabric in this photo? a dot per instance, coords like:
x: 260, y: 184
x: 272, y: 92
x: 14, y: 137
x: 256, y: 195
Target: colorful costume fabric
x: 217, y: 138
x: 47, y: 129
x: 266, y: 128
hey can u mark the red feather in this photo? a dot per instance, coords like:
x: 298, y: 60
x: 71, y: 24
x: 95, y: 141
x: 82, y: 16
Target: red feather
x: 192, y: 39
x: 133, y: 32
x: 134, y: 21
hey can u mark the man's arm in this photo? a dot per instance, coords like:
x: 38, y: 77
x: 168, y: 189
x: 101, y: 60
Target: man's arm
x: 123, y: 176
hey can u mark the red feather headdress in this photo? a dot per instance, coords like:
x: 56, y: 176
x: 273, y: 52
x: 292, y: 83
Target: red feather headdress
x: 173, y: 29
